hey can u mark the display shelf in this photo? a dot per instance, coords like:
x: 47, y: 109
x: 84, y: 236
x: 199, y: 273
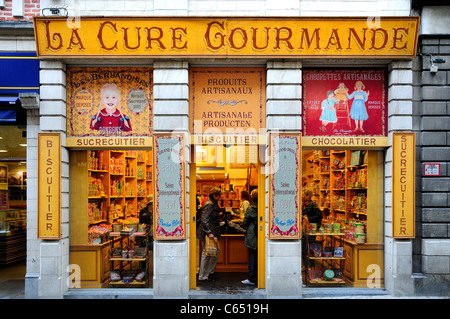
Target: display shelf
x: 336, y: 263
x: 351, y: 192
x: 129, y: 266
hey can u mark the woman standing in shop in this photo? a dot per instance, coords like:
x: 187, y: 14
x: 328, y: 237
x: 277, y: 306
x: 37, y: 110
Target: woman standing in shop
x: 245, y: 202
x: 251, y: 239
x: 209, y: 226
x: 314, y: 214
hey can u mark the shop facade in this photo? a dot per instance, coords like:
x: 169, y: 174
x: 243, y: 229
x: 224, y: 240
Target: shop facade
x: 75, y: 64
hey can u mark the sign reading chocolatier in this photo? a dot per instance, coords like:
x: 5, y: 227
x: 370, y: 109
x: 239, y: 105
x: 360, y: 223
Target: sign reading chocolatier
x: 169, y: 215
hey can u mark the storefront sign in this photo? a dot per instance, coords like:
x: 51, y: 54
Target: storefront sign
x: 318, y: 37
x: 49, y: 186
x: 403, y: 185
x: 285, y: 186
x: 347, y: 142
x: 341, y: 103
x: 227, y: 101
x: 169, y: 216
x: 109, y: 107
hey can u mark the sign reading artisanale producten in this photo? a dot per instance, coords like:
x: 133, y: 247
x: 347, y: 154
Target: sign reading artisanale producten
x: 170, y: 216
x: 312, y: 37
x: 345, y: 107
x: 403, y: 185
x: 109, y: 107
x: 284, y: 186
x: 227, y: 101
x: 49, y: 186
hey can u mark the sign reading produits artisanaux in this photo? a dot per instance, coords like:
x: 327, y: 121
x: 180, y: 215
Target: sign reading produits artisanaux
x: 403, y: 185
x: 49, y: 185
x: 284, y: 186
x: 109, y: 107
x: 170, y: 216
x: 313, y: 37
x: 227, y: 101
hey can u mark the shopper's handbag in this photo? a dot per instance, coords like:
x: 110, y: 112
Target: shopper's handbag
x: 211, y: 246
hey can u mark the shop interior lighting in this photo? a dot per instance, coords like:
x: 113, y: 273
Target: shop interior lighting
x: 3, y: 151
x: 24, y: 145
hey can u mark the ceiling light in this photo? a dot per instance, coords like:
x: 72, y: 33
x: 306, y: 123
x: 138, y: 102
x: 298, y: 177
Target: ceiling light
x: 23, y: 145
x: 3, y: 151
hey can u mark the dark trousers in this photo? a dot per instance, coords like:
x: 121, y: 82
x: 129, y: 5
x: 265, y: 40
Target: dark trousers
x: 253, y: 265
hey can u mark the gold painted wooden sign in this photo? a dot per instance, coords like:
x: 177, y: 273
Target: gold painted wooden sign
x: 403, y: 185
x: 227, y: 105
x: 240, y: 37
x: 49, y: 186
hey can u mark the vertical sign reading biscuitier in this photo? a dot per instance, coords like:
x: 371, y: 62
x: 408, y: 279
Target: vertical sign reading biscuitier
x: 284, y: 186
x: 49, y: 186
x: 170, y: 217
x: 403, y: 185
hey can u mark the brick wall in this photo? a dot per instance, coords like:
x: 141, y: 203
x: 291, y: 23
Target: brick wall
x: 19, y: 10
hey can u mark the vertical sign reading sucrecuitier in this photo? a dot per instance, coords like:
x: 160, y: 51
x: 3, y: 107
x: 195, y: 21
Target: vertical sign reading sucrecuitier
x: 285, y: 186
x: 403, y: 185
x: 169, y: 218
x: 49, y: 186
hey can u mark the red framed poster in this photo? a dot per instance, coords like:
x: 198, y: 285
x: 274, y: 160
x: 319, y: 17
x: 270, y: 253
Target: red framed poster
x: 344, y: 102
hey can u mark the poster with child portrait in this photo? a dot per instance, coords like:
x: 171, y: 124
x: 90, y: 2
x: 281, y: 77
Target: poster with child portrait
x: 340, y: 102
x: 109, y: 102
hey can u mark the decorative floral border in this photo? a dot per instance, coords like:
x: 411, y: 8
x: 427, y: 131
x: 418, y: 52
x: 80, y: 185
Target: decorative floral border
x: 295, y: 231
x: 158, y: 230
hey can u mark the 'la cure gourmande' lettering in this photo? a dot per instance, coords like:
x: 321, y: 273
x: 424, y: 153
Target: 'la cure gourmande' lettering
x: 216, y: 37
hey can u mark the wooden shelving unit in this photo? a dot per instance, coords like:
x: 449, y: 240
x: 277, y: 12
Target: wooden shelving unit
x: 347, y: 187
x: 106, y: 186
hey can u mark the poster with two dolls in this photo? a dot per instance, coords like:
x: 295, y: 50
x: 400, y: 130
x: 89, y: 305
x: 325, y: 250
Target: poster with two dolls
x: 344, y: 102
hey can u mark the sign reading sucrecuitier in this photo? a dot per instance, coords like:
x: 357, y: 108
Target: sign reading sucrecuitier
x: 403, y: 184
x: 313, y: 37
x: 49, y: 186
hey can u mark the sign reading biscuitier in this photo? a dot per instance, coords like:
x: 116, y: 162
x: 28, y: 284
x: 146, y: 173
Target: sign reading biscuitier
x: 313, y: 37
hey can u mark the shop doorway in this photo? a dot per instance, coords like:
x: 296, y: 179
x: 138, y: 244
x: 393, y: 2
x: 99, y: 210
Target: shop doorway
x: 236, y: 170
x: 13, y: 209
x: 345, y: 246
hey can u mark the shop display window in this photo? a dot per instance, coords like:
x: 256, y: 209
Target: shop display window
x: 345, y: 247
x: 109, y: 188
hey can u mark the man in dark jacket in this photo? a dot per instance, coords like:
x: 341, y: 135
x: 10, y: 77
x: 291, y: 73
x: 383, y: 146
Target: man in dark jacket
x: 209, y: 226
x: 251, y: 238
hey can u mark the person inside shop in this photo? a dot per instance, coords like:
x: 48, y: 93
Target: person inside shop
x: 245, y: 197
x: 209, y: 226
x: 313, y: 214
x: 146, y: 217
x: 251, y: 238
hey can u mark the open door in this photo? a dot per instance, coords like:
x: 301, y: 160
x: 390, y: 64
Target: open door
x: 233, y: 169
